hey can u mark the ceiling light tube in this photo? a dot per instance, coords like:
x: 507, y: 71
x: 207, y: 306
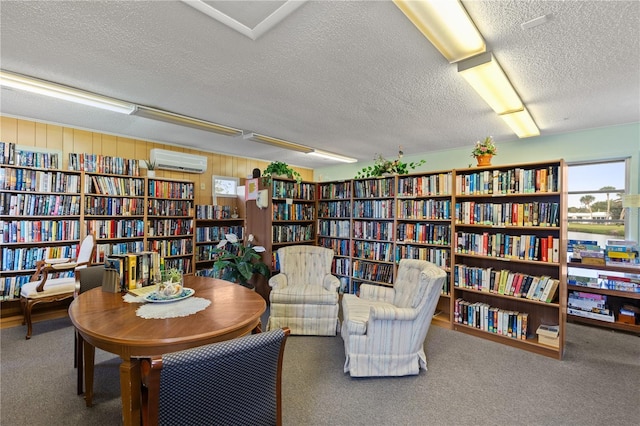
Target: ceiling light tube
x: 58, y: 91
x: 484, y: 74
x: 183, y: 120
x: 332, y: 156
x: 521, y: 123
x: 280, y: 143
x: 447, y: 26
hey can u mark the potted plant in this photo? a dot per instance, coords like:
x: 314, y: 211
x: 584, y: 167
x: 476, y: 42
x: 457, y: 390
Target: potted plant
x: 484, y: 150
x: 238, y: 262
x: 383, y: 167
x: 151, y: 168
x: 278, y: 168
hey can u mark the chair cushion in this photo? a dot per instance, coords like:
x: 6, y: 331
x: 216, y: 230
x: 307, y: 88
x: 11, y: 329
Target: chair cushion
x: 409, y: 288
x: 298, y: 293
x: 356, y: 312
x: 52, y: 287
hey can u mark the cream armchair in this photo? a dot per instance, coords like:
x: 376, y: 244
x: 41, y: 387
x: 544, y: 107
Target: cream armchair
x: 304, y: 295
x: 384, y: 328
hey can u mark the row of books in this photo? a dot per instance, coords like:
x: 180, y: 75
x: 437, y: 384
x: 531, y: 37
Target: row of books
x: 17, y: 179
x: 523, y: 247
x: 26, y: 204
x: 293, y: 211
x: 135, y: 270
x: 483, y: 316
x: 373, y: 250
x: 335, y: 190
x: 120, y: 247
x: 334, y: 209
x: 589, y: 305
x: 624, y: 282
x: 373, y: 209
x: 35, y: 231
x: 298, y: 191
x: 170, y: 207
x: 513, y: 181
x: 370, y: 271
x: 165, y: 189
x: 341, y: 266
x: 109, y: 206
x: 541, y: 288
x: 374, y: 230
x: 114, y: 185
x: 11, y: 286
x: 437, y: 256
x: 213, y: 212
x: 292, y: 233
x: 424, y: 209
x: 335, y: 228
x: 98, y: 163
x: 167, y: 227
x: 374, y: 188
x: 173, y: 247
x: 426, y: 233
x: 11, y: 154
x: 26, y: 258
x: 183, y: 264
x: 217, y: 233
x: 422, y: 186
x: 120, y: 228
x: 508, y: 214
x: 339, y: 247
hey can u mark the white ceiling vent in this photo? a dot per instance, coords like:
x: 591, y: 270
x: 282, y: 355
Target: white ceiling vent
x: 178, y: 161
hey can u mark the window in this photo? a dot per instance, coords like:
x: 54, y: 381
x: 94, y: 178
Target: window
x: 595, y: 193
x: 224, y: 186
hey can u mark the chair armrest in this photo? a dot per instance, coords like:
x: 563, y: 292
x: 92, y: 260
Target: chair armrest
x: 377, y: 292
x: 330, y: 282
x: 392, y: 313
x: 278, y: 280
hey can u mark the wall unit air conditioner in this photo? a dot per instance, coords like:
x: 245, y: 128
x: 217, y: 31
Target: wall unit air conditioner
x: 178, y: 161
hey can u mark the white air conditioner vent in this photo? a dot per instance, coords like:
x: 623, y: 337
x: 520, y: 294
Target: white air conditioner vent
x: 178, y: 161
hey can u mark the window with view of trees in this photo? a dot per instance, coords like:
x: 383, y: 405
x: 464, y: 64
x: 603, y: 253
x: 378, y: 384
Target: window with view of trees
x: 595, y: 192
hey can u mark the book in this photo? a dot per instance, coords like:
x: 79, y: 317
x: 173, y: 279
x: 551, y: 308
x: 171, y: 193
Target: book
x: 550, y: 290
x: 549, y: 341
x: 548, y: 330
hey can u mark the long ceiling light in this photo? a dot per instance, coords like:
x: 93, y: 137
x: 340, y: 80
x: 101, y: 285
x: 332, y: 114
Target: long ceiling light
x: 58, y: 91
x: 447, y: 26
x: 485, y: 75
x: 280, y: 143
x: 521, y: 123
x: 183, y: 120
x: 332, y: 156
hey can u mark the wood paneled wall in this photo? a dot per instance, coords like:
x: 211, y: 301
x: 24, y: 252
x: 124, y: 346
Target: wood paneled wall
x: 68, y: 140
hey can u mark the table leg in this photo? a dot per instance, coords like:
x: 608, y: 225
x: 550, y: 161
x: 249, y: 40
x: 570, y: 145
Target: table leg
x: 89, y: 358
x: 130, y: 382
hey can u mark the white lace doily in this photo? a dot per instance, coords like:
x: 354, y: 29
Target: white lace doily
x: 181, y: 308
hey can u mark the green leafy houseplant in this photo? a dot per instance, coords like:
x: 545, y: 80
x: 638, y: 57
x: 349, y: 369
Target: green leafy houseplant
x: 279, y: 168
x: 151, y: 165
x: 383, y: 166
x: 237, y: 262
x: 485, y: 147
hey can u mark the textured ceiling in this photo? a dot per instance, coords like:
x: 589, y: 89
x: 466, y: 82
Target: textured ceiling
x: 351, y: 77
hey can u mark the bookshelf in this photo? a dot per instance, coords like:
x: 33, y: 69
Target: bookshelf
x: 40, y: 218
x: 509, y: 234
x: 334, y: 226
x: 211, y: 226
x: 170, y: 221
x: 605, y: 281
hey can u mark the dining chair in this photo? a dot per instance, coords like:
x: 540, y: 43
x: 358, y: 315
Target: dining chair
x: 45, y: 289
x: 235, y: 382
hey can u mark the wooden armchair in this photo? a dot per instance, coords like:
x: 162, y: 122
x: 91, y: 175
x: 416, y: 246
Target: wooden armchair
x: 43, y: 289
x: 235, y: 382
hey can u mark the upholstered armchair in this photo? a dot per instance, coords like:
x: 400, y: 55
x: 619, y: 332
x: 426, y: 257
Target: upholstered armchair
x: 304, y: 295
x: 43, y: 289
x: 385, y: 327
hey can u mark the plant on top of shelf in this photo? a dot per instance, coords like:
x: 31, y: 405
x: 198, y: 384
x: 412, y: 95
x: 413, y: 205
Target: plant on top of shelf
x: 278, y: 168
x: 237, y: 262
x: 485, y: 147
x: 383, y: 167
x: 151, y: 165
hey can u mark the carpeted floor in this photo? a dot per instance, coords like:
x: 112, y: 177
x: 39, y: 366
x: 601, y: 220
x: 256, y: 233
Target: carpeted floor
x: 469, y: 381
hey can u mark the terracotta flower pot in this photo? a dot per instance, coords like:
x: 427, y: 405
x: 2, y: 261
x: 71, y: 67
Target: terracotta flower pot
x: 484, y: 160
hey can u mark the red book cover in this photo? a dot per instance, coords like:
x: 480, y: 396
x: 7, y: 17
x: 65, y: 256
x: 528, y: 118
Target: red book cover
x: 544, y: 249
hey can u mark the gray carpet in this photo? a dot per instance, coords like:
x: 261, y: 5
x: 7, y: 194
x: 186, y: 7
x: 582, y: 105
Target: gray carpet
x: 470, y: 380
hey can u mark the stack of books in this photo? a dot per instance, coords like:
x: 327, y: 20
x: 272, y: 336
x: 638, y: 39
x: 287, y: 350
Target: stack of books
x: 549, y: 335
x: 622, y: 253
x: 589, y: 305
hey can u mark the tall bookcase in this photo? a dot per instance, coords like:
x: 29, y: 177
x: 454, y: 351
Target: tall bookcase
x: 170, y: 221
x: 40, y: 218
x: 212, y: 224
x: 334, y: 226
x: 510, y: 235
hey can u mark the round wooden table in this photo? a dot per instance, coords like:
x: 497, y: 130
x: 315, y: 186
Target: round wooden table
x: 106, y: 321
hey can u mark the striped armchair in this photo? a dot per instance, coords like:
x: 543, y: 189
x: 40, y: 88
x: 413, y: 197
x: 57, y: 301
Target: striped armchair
x: 384, y: 328
x: 304, y: 295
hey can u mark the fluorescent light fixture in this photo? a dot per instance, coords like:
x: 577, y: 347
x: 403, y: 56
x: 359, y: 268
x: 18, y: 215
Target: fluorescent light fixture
x: 485, y: 75
x: 332, y: 156
x: 447, y: 26
x: 521, y: 123
x: 183, y: 120
x: 58, y: 91
x: 280, y: 143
